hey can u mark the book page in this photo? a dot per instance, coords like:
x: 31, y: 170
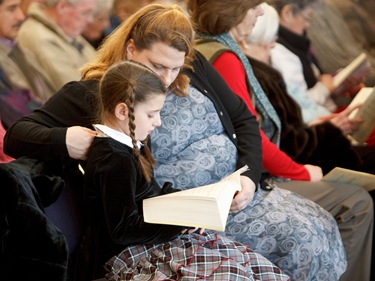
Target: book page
x: 231, y: 182
x: 366, y: 97
x: 364, y: 180
x: 344, y: 73
x: 205, y: 206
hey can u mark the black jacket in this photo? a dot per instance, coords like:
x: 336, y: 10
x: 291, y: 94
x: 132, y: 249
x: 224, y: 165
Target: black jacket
x: 32, y: 248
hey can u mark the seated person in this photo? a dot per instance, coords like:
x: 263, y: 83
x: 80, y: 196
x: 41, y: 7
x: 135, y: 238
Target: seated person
x: 324, y: 144
x: 20, y: 66
x: 292, y: 56
x: 52, y: 32
x: 95, y: 31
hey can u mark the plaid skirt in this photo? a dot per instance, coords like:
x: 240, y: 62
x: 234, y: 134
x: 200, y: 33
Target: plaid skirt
x: 192, y: 257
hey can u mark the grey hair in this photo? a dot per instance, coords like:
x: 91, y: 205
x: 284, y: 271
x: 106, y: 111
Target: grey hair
x: 298, y: 5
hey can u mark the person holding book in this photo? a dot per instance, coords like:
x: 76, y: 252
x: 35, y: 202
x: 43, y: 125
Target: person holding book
x: 293, y: 57
x: 322, y: 144
x: 218, y: 42
x: 130, y: 99
x: 207, y: 132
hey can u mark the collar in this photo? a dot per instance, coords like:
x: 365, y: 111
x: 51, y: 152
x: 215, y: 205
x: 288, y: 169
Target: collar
x: 105, y: 131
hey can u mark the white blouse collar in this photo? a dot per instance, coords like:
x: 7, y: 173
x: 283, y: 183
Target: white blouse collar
x: 105, y: 131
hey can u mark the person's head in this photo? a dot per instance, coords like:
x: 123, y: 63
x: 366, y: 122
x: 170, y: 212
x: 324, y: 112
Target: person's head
x: 160, y: 37
x: 72, y: 16
x: 11, y: 17
x: 295, y: 15
x: 95, y: 29
x: 123, y: 9
x: 263, y: 36
x: 131, y: 97
x: 215, y: 17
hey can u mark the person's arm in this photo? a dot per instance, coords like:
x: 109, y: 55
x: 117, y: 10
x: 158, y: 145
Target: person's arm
x: 274, y: 160
x: 42, y: 134
x: 122, y: 198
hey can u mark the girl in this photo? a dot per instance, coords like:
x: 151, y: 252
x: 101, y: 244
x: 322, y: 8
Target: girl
x: 119, y: 176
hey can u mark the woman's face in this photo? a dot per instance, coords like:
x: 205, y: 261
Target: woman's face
x: 166, y: 61
x: 244, y: 28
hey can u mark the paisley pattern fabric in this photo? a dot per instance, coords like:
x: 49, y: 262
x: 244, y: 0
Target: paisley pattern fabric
x: 296, y: 234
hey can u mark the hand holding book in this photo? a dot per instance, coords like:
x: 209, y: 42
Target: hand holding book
x: 204, y: 207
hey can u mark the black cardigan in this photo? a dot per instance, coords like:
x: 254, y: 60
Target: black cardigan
x: 42, y: 133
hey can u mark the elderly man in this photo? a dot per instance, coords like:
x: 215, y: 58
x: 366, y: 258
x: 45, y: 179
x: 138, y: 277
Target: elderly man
x: 23, y: 84
x: 52, y: 32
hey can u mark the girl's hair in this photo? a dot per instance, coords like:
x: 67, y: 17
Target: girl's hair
x: 266, y: 27
x: 215, y: 17
x: 298, y: 5
x: 151, y: 24
x: 130, y: 83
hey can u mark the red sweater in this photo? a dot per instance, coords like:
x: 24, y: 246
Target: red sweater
x: 275, y: 161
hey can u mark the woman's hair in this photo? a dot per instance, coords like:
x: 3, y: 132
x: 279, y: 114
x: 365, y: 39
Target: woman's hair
x: 298, y: 5
x: 215, y: 17
x: 266, y: 27
x: 131, y: 83
x: 152, y: 24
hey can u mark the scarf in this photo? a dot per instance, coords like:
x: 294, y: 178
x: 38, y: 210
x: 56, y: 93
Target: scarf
x: 270, y: 124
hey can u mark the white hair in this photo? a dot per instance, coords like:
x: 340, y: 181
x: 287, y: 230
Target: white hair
x: 266, y: 27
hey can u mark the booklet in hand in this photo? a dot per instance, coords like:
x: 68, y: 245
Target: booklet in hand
x: 366, y: 98
x: 203, y: 207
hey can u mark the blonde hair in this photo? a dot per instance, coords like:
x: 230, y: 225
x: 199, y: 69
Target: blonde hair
x: 131, y: 83
x: 266, y: 27
x: 151, y: 24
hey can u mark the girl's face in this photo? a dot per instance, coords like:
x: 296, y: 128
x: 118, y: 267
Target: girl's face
x: 147, y: 116
x: 244, y: 28
x: 161, y: 58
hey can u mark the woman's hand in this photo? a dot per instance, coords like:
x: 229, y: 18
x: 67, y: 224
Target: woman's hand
x: 344, y: 123
x: 78, y: 141
x: 327, y: 81
x: 316, y: 173
x: 244, y: 197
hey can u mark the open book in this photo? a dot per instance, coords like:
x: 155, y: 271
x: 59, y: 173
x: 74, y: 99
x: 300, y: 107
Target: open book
x: 204, y: 207
x: 357, y: 68
x: 364, y: 180
x: 365, y: 97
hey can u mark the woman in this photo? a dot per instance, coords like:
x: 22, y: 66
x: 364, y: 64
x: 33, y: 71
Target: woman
x: 323, y: 142
x: 222, y: 136
x: 292, y: 56
x: 220, y: 26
